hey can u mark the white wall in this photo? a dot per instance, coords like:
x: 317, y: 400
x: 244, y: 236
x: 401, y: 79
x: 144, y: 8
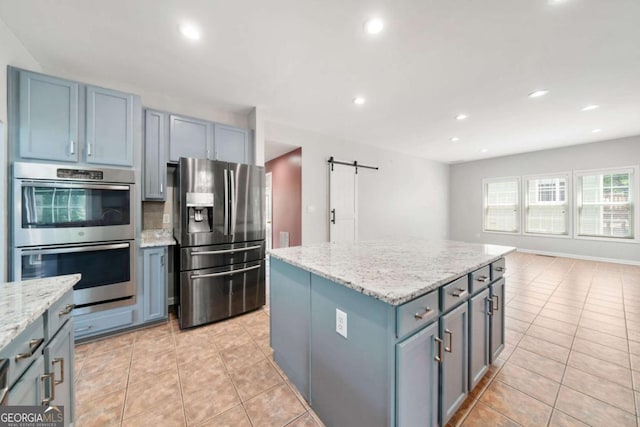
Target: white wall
x: 467, y: 205
x: 407, y: 197
x: 12, y: 52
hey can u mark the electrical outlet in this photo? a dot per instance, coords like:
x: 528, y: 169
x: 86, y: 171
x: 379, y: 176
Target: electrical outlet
x: 166, y: 219
x: 341, y: 322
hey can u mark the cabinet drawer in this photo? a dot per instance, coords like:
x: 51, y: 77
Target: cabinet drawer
x: 57, y: 314
x: 479, y: 279
x: 24, y: 349
x: 91, y: 324
x: 497, y: 269
x: 417, y: 313
x: 454, y: 293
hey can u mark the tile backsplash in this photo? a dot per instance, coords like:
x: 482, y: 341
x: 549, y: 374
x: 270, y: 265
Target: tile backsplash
x: 152, y: 212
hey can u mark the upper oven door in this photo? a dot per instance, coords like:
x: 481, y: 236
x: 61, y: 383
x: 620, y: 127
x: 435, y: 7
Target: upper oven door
x: 61, y: 212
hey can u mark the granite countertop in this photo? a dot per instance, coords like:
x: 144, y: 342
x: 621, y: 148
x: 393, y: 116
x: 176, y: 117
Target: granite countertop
x: 392, y: 271
x: 157, y: 237
x: 23, y: 302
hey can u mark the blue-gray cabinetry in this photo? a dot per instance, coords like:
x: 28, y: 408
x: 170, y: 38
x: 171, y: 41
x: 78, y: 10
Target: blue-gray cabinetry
x: 454, y: 373
x: 497, y: 318
x: 28, y: 390
x: 109, y: 127
x: 479, y: 329
x: 189, y: 137
x: 58, y: 363
x: 232, y: 144
x: 48, y: 118
x: 155, y: 164
x: 154, y: 305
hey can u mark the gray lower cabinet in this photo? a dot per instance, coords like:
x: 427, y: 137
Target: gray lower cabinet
x: 154, y: 305
x: 497, y: 318
x: 48, y: 118
x: 190, y: 137
x: 29, y: 389
x: 232, y: 144
x: 155, y: 164
x: 417, y: 377
x: 454, y: 367
x: 478, y: 337
x: 58, y: 358
x: 109, y: 127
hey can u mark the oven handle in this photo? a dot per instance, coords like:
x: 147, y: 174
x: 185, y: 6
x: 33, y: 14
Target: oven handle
x: 226, y: 251
x: 224, y: 273
x: 57, y: 184
x: 64, y: 250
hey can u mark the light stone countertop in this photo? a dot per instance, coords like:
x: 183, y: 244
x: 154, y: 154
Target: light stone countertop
x: 392, y: 271
x: 23, y: 302
x: 157, y: 237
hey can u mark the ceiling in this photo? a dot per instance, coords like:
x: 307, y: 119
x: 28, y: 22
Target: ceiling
x: 304, y: 61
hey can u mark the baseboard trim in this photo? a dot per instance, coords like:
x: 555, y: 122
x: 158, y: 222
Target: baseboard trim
x: 584, y: 257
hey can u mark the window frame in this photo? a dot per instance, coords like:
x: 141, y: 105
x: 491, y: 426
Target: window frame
x: 634, y: 193
x: 569, y: 204
x: 486, y: 181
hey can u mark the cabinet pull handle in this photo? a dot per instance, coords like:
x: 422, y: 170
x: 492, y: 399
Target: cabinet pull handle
x: 495, y: 298
x: 3, y: 395
x: 161, y: 188
x: 460, y: 293
x: 83, y: 329
x: 161, y: 259
x: 483, y: 279
x: 500, y: 269
x: 419, y: 316
x: 59, y: 360
x: 450, y: 348
x: 333, y: 216
x: 72, y: 147
x: 52, y: 394
x: 66, y: 310
x: 33, y: 346
x: 490, y: 309
x: 89, y: 149
x: 440, y: 355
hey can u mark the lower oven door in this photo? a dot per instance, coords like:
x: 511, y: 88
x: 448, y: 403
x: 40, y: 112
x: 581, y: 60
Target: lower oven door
x: 106, y: 269
x: 218, y: 293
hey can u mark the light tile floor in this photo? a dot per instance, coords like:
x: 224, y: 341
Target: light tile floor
x: 572, y: 358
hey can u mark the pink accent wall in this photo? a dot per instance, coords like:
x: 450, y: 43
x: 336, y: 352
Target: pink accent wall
x: 287, y: 196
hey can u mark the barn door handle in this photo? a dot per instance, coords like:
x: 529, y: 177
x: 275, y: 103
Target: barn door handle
x: 333, y: 216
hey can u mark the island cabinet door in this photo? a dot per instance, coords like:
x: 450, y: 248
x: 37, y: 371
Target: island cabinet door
x: 454, y: 369
x: 479, y: 309
x: 417, y: 378
x: 497, y: 319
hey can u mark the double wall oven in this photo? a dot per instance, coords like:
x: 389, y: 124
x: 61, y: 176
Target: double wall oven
x: 76, y: 221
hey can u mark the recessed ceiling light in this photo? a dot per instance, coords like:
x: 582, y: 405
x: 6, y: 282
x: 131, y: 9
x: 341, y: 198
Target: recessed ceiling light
x: 596, y: 131
x: 454, y: 139
x: 374, y: 25
x: 461, y: 117
x: 590, y: 107
x: 538, y: 93
x: 190, y: 31
x: 484, y: 150
x: 359, y: 100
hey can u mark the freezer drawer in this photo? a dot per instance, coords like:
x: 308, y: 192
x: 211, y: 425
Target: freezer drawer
x: 201, y: 257
x: 214, y: 294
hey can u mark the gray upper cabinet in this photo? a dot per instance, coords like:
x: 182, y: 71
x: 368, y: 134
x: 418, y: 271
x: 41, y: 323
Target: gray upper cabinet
x: 232, y: 144
x: 417, y: 379
x: 155, y: 168
x: 48, y: 111
x: 454, y: 368
x: 109, y: 127
x: 190, y: 138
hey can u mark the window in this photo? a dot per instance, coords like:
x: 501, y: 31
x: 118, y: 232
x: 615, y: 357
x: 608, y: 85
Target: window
x: 605, y: 203
x: 502, y: 205
x: 547, y: 208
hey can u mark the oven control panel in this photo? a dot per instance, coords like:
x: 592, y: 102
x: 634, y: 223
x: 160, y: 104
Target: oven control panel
x: 80, y: 174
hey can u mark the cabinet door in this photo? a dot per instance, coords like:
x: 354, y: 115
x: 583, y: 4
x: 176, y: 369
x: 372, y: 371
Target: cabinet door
x: 28, y: 390
x: 190, y: 138
x: 58, y: 357
x: 48, y: 118
x: 497, y: 319
x: 232, y: 144
x: 154, y: 284
x: 155, y: 165
x: 478, y: 337
x: 454, y: 367
x: 417, y: 379
x: 109, y: 138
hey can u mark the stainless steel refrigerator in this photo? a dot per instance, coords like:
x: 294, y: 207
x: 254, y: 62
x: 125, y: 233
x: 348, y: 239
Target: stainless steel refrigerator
x: 220, y: 229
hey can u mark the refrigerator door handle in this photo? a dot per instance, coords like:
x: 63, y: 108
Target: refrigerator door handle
x: 224, y: 273
x: 226, y: 202
x: 232, y: 215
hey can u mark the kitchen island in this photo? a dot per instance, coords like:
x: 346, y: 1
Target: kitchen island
x: 387, y: 333
x: 36, y: 342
